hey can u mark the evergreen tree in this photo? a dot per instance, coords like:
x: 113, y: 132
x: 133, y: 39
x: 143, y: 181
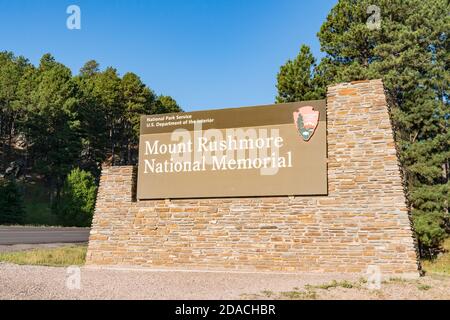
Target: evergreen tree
x: 90, y: 69
x: 166, y: 104
x: 297, y: 79
x: 93, y: 116
x: 11, y: 204
x: 12, y: 70
x: 52, y: 124
x: 109, y: 98
x: 410, y: 53
x: 138, y: 100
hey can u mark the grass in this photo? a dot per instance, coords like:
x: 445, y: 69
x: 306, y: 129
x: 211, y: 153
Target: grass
x: 438, y: 268
x: 56, y: 257
x: 424, y: 287
x: 310, y: 292
x: 299, y: 295
x: 334, y: 284
x: 395, y: 280
x: 268, y: 293
x: 441, y: 264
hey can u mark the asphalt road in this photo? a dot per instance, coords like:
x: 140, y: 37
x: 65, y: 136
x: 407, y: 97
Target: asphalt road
x: 35, y: 235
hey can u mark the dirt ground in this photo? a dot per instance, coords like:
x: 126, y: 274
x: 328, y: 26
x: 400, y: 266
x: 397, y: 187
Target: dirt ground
x: 426, y: 288
x: 37, y: 282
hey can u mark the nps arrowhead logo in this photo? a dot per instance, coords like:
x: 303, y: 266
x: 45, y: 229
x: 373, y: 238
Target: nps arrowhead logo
x: 306, y: 120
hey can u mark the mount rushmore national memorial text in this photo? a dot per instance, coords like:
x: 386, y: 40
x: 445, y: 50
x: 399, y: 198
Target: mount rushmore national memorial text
x: 234, y: 152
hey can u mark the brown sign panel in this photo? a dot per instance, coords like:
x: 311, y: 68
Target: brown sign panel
x: 268, y: 150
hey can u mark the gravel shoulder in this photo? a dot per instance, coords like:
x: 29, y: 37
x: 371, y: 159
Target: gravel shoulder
x: 37, y: 282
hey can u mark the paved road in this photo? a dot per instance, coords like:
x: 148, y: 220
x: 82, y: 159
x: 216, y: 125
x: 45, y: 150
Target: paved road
x: 32, y: 235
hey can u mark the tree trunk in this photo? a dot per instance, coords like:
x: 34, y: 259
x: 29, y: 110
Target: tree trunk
x: 111, y: 131
x: 10, y: 137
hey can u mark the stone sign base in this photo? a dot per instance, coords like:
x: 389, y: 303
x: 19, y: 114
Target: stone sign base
x: 363, y: 221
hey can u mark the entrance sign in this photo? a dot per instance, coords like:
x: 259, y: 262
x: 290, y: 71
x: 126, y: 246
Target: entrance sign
x: 246, y: 162
x: 271, y: 150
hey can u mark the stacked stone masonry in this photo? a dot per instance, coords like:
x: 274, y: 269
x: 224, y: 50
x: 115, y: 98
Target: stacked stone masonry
x: 363, y: 221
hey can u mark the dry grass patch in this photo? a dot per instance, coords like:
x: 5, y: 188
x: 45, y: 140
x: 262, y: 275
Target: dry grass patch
x: 441, y: 264
x: 56, y: 257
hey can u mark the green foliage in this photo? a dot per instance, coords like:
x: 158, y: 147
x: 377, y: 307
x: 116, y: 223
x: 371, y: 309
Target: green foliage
x: 11, y: 204
x: 429, y: 214
x: 39, y: 214
x: 299, y: 79
x: 110, y: 113
x: 138, y: 100
x: 52, y: 122
x: 76, y: 205
x: 12, y: 69
x: 166, y: 104
x: 410, y: 52
x: 429, y: 226
x: 36, y: 202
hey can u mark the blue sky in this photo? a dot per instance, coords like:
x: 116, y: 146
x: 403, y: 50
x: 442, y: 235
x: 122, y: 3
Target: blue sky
x: 205, y: 53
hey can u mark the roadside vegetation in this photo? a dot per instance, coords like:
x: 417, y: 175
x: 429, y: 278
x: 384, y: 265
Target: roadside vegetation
x: 428, y: 287
x: 36, y: 203
x: 440, y: 264
x: 56, y: 131
x: 434, y: 285
x: 11, y: 203
x: 409, y: 52
x: 54, y: 125
x: 55, y: 257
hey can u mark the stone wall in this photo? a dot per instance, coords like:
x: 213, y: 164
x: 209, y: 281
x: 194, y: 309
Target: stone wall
x: 363, y: 221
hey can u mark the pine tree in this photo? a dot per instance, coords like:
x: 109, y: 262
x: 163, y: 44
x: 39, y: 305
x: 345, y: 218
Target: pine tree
x: 103, y: 110
x: 11, y: 203
x: 297, y: 79
x: 166, y: 104
x: 51, y: 124
x: 94, y: 128
x: 64, y: 122
x: 139, y: 100
x: 12, y: 69
x: 410, y: 53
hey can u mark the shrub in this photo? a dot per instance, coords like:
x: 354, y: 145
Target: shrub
x: 11, y: 203
x: 430, y: 230
x: 75, y: 206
